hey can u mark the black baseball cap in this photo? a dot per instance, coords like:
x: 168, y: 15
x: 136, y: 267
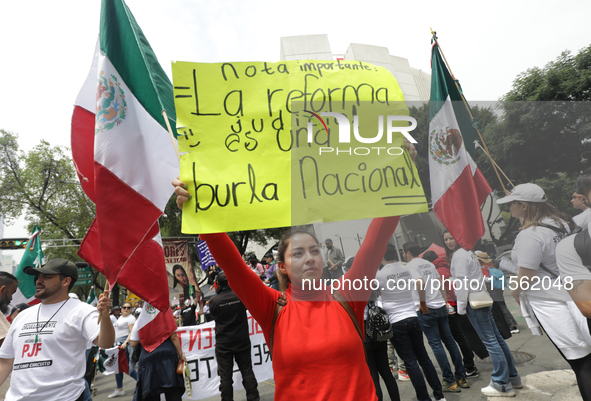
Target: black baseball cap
x: 55, y: 266
x: 221, y: 278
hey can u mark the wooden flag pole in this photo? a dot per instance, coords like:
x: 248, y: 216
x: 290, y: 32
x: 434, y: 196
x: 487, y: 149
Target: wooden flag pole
x: 172, y: 138
x: 485, y: 148
x: 502, y: 172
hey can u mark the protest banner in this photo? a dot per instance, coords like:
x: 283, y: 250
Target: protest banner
x: 205, y: 256
x: 271, y: 145
x: 176, y: 252
x: 198, y: 344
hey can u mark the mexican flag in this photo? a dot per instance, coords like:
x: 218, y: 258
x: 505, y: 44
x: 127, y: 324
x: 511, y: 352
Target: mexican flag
x: 124, y: 155
x: 154, y: 327
x: 92, y: 297
x: 112, y: 360
x: 458, y: 187
x: 33, y: 256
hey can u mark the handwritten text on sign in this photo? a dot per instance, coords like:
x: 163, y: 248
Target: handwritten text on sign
x: 248, y: 160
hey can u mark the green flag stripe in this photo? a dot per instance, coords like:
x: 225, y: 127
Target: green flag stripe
x: 33, y: 256
x: 442, y: 85
x: 123, y: 42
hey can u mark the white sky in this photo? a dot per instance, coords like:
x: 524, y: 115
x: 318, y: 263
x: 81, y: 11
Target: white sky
x: 46, y: 47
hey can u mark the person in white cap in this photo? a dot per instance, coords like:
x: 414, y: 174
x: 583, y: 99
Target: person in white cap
x: 538, y: 281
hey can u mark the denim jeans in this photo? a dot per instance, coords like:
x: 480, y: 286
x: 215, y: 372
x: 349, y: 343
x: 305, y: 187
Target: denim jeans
x: 132, y: 371
x: 435, y: 325
x: 408, y: 342
x: 500, y: 354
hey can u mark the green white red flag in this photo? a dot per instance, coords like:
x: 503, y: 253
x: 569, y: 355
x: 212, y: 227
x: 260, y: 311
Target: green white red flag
x: 458, y: 187
x: 124, y: 156
x: 33, y: 256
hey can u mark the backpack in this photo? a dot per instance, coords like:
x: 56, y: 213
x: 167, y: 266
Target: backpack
x: 377, y: 325
x: 582, y: 243
x: 583, y: 247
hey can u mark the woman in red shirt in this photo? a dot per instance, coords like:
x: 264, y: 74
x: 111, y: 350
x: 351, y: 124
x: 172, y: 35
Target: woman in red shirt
x: 317, y: 352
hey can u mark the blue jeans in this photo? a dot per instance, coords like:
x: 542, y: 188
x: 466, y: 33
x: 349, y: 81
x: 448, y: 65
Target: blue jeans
x: 500, y: 354
x: 435, y: 325
x: 132, y: 371
x: 408, y: 342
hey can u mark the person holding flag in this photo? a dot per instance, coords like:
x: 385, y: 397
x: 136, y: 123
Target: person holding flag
x: 44, y: 348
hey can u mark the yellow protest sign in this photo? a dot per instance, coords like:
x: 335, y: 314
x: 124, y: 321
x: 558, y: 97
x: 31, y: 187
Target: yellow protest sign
x: 289, y: 143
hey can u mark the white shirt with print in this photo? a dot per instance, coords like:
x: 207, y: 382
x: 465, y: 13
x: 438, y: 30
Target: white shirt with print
x: 53, y: 368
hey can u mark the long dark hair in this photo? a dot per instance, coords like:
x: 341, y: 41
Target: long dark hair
x: 174, y: 269
x: 448, y: 252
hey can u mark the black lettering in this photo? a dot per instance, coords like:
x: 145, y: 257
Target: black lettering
x: 269, y: 98
x: 234, y: 186
x: 217, y: 192
x: 235, y: 138
x: 224, y: 71
x: 401, y: 176
x: 302, y: 175
x: 239, y: 110
x: 194, y: 368
x: 267, y: 69
x: 252, y: 181
x: 197, y: 112
x: 282, y: 69
x: 274, y: 195
x: 254, y: 71
x: 247, y: 144
x: 259, y: 354
x: 385, y: 169
x: 208, y: 366
x: 377, y: 170
x: 338, y: 184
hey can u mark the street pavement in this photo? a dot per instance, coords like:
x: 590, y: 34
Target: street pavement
x: 546, y: 376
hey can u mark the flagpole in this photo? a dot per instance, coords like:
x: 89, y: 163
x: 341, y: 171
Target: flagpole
x: 472, y: 118
x: 172, y: 138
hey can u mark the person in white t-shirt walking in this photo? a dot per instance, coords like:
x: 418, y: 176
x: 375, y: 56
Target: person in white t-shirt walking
x: 575, y: 270
x: 123, y: 328
x: 432, y: 311
x: 45, y: 346
x: 538, y: 279
x: 397, y: 288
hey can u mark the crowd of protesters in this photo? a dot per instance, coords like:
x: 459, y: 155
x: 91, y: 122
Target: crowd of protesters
x: 463, y: 320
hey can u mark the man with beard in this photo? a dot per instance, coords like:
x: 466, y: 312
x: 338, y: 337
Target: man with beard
x: 45, y: 346
x: 8, y: 285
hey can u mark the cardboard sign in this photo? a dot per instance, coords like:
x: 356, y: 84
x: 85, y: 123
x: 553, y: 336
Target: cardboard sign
x: 259, y: 150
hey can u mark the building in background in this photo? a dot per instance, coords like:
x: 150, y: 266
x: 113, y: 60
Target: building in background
x: 423, y: 228
x: 414, y: 83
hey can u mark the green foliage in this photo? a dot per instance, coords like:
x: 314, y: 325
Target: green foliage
x: 545, y: 127
x: 42, y: 185
x: 170, y: 226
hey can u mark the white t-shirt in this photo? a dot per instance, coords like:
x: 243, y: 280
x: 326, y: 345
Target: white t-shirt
x: 569, y: 262
x: 52, y: 369
x: 429, y: 274
x: 122, y: 325
x: 467, y: 274
x: 398, y: 291
x: 536, y: 245
x: 583, y: 219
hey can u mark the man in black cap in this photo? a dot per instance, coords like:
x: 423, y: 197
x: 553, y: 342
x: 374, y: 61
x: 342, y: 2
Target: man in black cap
x: 232, y: 340
x: 45, y: 346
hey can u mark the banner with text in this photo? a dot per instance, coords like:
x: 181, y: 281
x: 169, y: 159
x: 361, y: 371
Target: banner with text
x: 198, y: 344
x: 205, y: 257
x: 249, y: 163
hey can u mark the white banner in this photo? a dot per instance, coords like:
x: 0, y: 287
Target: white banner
x: 198, y: 344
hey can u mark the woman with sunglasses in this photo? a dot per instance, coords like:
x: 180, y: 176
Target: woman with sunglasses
x: 538, y: 280
x: 123, y: 327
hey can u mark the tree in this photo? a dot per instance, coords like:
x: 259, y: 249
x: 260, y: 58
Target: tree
x: 170, y: 226
x: 545, y: 126
x: 43, y: 185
